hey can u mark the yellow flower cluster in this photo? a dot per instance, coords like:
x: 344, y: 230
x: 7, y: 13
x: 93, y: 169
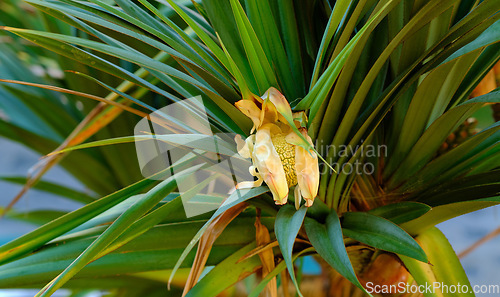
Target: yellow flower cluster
x: 277, y: 155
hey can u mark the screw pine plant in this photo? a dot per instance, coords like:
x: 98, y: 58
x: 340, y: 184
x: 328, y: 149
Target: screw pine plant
x: 372, y: 84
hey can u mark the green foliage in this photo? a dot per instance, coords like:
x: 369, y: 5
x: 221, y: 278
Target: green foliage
x: 445, y: 268
x: 328, y: 241
x: 389, y: 73
x: 287, y: 226
x: 382, y: 234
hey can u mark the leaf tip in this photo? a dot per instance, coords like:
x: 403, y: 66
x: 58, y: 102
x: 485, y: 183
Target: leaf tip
x: 6, y: 28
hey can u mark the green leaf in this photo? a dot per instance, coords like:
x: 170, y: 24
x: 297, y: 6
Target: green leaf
x: 327, y: 106
x: 222, y: 19
x: 287, y: 226
x: 479, y: 186
x: 328, y: 241
x: 279, y: 268
x: 258, y: 60
x: 218, y: 108
x: 205, y: 57
x: 92, y: 60
x: 264, y: 23
x: 35, y: 239
x: 435, y: 135
x: 401, y: 212
x: 424, y: 15
x: 338, y: 13
x: 292, y: 43
x: 335, y: 188
x: 444, y: 267
x: 37, y: 217
x: 226, y: 273
x: 52, y: 188
x: 238, y: 76
x: 488, y: 58
x: 440, y: 84
x: 196, y: 141
x: 444, y: 262
x: 450, y: 165
x: 382, y: 234
x: 445, y: 212
x: 156, y: 249
x: 173, y: 36
x: 318, y: 93
x: 214, y: 48
x: 137, y: 210
x: 422, y: 274
x: 125, y: 54
x: 489, y: 36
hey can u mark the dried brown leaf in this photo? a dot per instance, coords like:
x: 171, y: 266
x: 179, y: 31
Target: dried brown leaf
x: 206, y: 242
x: 266, y: 256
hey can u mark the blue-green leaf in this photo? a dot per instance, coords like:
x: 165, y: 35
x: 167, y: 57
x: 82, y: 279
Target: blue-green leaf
x: 382, y: 234
x: 329, y: 243
x: 287, y: 226
x: 402, y: 212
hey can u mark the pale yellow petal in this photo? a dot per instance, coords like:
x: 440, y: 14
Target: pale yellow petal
x: 246, y: 185
x: 295, y: 139
x: 251, y: 110
x: 253, y: 171
x: 256, y: 99
x: 279, y: 101
x: 249, y: 184
x: 307, y: 167
x: 281, y: 158
x: 243, y: 147
x: 269, y: 114
x: 269, y: 164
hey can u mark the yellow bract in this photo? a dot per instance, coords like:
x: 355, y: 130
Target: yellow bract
x: 277, y: 159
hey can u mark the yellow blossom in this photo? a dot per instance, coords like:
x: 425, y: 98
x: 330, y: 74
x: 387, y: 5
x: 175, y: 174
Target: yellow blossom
x: 277, y: 158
